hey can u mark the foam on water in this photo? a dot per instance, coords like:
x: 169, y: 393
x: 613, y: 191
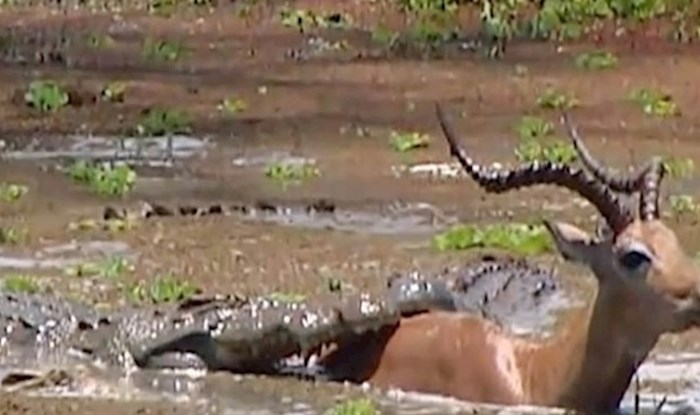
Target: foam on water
x: 150, y: 151
x: 355, y: 220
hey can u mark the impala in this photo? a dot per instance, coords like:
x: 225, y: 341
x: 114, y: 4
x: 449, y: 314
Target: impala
x: 646, y: 286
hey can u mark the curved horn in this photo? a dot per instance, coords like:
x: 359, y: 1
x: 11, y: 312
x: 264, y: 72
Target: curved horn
x: 616, y: 180
x: 647, y: 180
x: 500, y: 180
x: 651, y: 190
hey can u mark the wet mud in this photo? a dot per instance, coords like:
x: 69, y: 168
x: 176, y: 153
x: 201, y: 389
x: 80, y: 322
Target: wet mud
x: 208, y: 214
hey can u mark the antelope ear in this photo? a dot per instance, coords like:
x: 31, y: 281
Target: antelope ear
x: 573, y: 243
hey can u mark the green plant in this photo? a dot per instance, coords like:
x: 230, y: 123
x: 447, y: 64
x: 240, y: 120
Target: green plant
x: 232, y: 105
x: 430, y: 29
x: 427, y: 5
x: 518, y: 238
x: 655, y: 102
x: 362, y: 406
x: 166, y: 8
x: 287, y: 297
x: 11, y: 235
x: 163, y: 51
x: 500, y: 23
x: 682, y: 204
x: 679, y: 168
x: 113, y: 92
x: 430, y: 23
x: 407, y: 141
x: 555, y: 151
x: 46, y: 96
x: 567, y: 20
x: 530, y: 127
x: 685, y: 21
x: 304, y: 20
x: 638, y: 10
x: 159, y: 122
x: 291, y: 172
x: 111, y: 267
x: 21, y: 284
x: 12, y: 192
x: 596, y: 60
x: 538, y: 144
x: 103, y: 180
x: 562, y: 20
x: 163, y: 8
x: 164, y: 289
x: 552, y: 98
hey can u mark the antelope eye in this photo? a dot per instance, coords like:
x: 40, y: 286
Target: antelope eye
x: 635, y: 259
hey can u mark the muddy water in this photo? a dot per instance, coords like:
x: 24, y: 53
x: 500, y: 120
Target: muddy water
x: 62, y: 256
x: 668, y: 375
x: 388, y: 218
x: 673, y: 376
x: 338, y: 113
x: 228, y: 395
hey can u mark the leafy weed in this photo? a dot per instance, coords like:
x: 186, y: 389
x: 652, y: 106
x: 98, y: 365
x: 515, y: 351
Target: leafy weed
x: 517, y: 238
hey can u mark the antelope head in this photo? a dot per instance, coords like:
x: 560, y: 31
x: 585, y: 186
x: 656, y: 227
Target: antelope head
x: 643, y: 273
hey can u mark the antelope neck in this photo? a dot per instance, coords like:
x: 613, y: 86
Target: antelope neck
x: 590, y: 364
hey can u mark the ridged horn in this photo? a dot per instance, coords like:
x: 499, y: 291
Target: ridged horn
x: 646, y: 181
x: 574, y: 179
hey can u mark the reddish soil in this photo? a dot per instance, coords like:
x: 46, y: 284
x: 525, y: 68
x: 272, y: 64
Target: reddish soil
x: 312, y: 108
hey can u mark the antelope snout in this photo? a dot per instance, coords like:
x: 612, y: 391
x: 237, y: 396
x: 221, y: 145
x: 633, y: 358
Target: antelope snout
x: 694, y: 296
x: 688, y: 309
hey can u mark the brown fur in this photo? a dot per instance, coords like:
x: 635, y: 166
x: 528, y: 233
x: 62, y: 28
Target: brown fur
x: 587, y: 365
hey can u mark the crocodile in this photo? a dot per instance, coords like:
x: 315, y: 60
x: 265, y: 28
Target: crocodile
x: 315, y: 213
x: 264, y: 335
x: 256, y: 208
x: 154, y: 209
